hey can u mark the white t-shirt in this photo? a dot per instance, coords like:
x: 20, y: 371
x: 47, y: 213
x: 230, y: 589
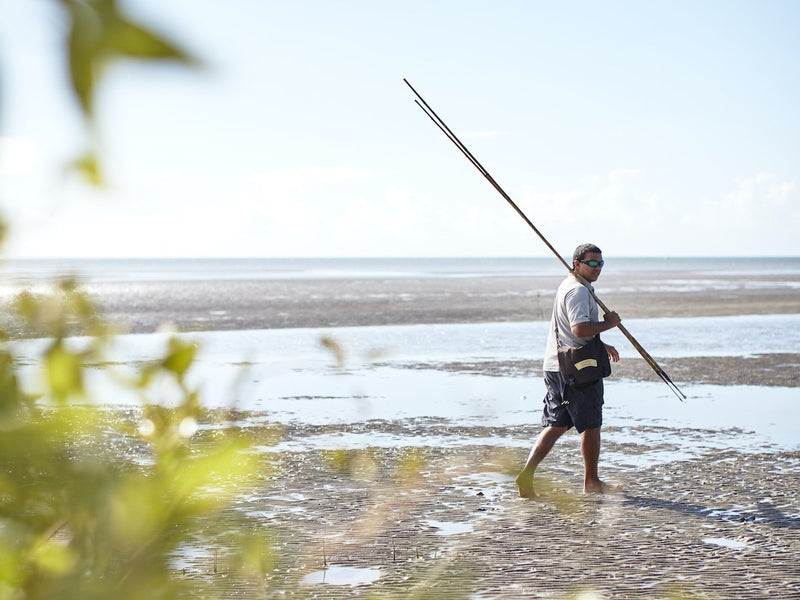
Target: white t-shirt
x: 573, y: 304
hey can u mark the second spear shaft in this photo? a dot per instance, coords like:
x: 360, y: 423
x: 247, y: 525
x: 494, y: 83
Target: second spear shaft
x: 453, y: 138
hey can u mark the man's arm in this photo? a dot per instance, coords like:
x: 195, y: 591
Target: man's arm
x: 592, y: 328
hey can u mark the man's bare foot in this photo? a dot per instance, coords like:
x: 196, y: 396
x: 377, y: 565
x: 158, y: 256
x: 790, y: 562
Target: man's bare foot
x: 600, y: 487
x: 525, y: 485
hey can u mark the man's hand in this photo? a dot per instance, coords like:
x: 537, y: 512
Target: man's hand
x: 612, y: 319
x: 613, y: 355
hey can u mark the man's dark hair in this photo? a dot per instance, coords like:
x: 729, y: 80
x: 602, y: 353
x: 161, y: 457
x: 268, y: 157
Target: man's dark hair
x: 584, y: 249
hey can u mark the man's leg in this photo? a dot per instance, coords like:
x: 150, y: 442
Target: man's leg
x: 590, y: 450
x: 544, y: 443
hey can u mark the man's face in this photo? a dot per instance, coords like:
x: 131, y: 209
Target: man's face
x: 589, y: 273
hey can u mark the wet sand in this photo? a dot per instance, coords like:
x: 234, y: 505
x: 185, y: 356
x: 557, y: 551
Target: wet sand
x: 227, y: 305
x: 452, y: 526
x: 377, y: 523
x: 446, y: 522
x: 782, y: 370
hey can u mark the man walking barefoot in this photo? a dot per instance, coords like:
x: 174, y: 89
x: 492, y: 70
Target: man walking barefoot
x: 575, y: 313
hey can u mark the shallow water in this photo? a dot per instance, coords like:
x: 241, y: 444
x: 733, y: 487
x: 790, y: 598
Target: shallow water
x: 300, y: 348
x: 449, y: 527
x: 699, y: 336
x: 340, y: 575
x: 291, y: 378
x: 726, y: 543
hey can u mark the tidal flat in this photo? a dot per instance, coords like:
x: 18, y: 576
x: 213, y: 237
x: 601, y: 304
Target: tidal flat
x: 393, y: 414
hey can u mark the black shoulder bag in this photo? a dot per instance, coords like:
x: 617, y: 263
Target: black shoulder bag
x: 584, y: 365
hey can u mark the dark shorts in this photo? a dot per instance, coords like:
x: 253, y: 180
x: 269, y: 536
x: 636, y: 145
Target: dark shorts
x: 567, y: 406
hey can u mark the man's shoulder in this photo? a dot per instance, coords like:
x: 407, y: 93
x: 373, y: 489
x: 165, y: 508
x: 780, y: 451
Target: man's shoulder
x: 571, y: 286
x: 574, y: 293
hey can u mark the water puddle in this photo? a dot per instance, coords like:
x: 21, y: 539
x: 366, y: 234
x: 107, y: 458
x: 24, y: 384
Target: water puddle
x: 727, y: 543
x: 738, y: 514
x: 337, y: 575
x: 449, y: 527
x: 190, y: 558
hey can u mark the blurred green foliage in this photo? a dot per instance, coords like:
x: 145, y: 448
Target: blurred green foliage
x: 79, y: 519
x: 101, y: 503
x: 99, y: 34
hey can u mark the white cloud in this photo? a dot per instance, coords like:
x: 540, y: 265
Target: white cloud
x: 626, y: 213
x: 759, y: 216
x: 620, y: 212
x: 299, y: 211
x: 335, y: 211
x: 763, y: 195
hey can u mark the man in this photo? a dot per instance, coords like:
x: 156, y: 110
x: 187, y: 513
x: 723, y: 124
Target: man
x: 575, y: 313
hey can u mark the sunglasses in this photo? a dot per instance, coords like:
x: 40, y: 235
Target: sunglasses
x: 593, y: 263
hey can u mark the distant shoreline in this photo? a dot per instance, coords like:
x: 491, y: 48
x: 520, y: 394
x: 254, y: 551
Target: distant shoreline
x: 244, y: 304
x: 132, y: 270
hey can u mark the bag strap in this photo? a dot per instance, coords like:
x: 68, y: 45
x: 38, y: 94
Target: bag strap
x: 555, y: 322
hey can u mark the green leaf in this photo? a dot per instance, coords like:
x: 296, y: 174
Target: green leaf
x: 204, y: 481
x: 85, y: 52
x: 100, y: 33
x: 180, y: 358
x: 26, y: 306
x: 88, y: 167
x: 138, y: 512
x: 52, y: 557
x: 133, y: 41
x: 10, y: 393
x: 64, y: 375
x: 257, y: 556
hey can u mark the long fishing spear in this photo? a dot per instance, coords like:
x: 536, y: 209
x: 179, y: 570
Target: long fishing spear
x: 420, y: 101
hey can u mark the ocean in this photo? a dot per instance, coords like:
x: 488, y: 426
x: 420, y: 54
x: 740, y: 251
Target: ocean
x: 171, y: 269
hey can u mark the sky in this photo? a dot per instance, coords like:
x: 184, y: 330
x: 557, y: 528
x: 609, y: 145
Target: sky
x: 648, y: 128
